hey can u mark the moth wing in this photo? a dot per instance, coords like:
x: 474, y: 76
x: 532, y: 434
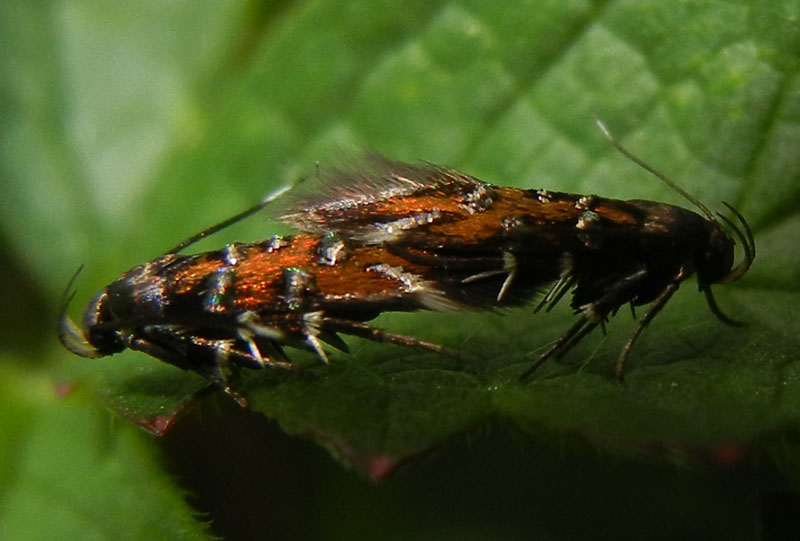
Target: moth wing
x: 377, y: 199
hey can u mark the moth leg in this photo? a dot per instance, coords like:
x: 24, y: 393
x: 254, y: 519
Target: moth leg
x: 334, y: 340
x: 366, y: 332
x: 592, y: 314
x: 211, y: 371
x: 217, y: 377
x: 252, y: 348
x: 313, y: 332
x: 558, y: 290
x: 263, y: 343
x: 652, y: 311
x: 581, y: 328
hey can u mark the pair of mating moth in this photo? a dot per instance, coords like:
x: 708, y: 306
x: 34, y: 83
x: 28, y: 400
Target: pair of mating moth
x: 390, y: 236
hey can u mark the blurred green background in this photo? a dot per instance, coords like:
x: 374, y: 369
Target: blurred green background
x: 127, y: 127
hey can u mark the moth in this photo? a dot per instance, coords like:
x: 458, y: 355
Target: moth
x: 241, y: 305
x: 606, y: 253
x: 391, y: 236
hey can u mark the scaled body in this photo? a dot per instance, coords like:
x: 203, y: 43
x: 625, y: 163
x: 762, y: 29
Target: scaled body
x: 397, y: 237
x: 607, y: 252
x: 241, y: 305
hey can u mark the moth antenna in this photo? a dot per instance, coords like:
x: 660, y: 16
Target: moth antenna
x: 66, y: 297
x: 238, y: 217
x: 747, y: 241
x: 652, y: 170
x: 70, y: 334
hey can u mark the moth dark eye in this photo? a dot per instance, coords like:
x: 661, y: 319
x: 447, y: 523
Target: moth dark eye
x: 716, y: 260
x: 106, y: 342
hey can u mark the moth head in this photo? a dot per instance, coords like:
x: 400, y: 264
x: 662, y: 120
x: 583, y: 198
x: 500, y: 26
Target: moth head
x: 745, y: 236
x: 715, y: 257
x: 716, y: 264
x: 97, y: 337
x: 100, y: 333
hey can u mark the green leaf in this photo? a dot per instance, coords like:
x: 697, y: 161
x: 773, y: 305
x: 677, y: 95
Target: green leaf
x: 127, y: 130
x: 69, y: 472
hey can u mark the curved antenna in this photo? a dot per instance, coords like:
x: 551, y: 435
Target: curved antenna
x: 70, y: 334
x: 745, y: 238
x: 652, y: 170
x: 748, y: 244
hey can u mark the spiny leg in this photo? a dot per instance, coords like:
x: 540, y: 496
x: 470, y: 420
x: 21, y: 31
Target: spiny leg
x: 555, y: 293
x: 212, y: 371
x: 366, y: 332
x: 578, y: 336
x: 218, y: 378
x: 593, y: 314
x: 581, y: 328
x: 653, y: 310
x: 263, y: 342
